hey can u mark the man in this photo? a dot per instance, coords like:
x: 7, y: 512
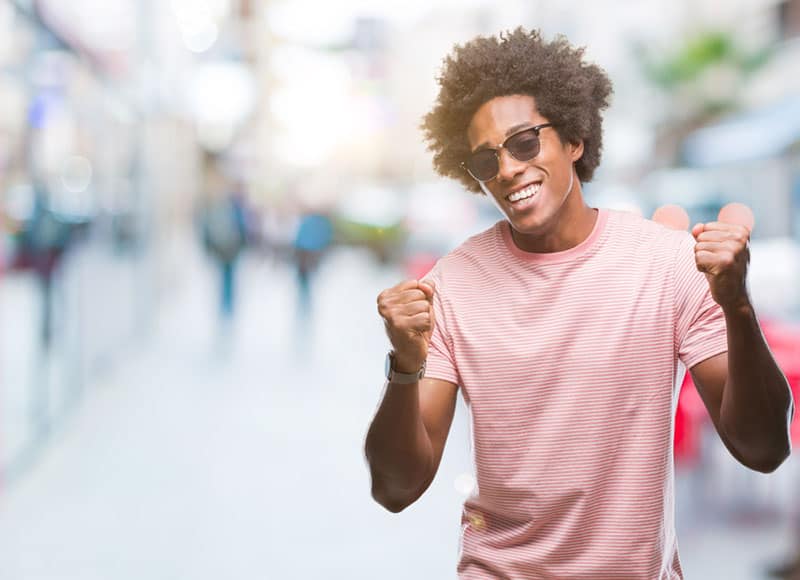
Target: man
x: 563, y: 326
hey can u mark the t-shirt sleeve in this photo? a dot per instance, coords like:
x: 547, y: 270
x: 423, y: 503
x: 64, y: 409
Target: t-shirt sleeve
x: 441, y: 362
x: 700, y: 330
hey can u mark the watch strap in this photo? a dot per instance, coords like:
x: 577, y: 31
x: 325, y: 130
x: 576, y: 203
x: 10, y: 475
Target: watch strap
x: 399, y: 378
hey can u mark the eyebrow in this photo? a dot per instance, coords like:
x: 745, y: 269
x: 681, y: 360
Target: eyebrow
x: 510, y: 131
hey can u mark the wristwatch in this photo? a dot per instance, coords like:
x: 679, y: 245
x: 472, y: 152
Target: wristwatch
x: 401, y: 378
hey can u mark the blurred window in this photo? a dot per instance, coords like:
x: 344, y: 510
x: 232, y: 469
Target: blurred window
x: 789, y: 19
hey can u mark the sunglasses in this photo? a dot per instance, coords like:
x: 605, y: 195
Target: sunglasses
x: 484, y: 164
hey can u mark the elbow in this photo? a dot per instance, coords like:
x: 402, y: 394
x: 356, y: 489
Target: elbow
x: 393, y: 503
x: 395, y: 490
x: 765, y: 467
x: 393, y: 506
x: 396, y: 497
x: 769, y: 464
x: 756, y: 453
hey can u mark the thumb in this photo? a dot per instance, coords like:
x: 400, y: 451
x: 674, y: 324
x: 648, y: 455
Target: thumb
x: 428, y: 287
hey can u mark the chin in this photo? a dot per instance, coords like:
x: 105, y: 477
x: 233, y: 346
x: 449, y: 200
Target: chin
x: 526, y: 229
x: 531, y: 224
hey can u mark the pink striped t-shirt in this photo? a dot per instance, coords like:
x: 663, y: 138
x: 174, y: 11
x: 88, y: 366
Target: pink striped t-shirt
x: 567, y: 362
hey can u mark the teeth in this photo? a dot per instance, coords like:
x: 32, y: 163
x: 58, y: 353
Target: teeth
x: 524, y: 193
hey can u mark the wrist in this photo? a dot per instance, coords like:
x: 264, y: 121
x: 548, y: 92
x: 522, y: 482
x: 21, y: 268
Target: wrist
x: 739, y: 308
x: 406, y: 364
x: 405, y: 373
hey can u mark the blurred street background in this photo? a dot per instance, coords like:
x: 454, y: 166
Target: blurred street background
x: 200, y: 201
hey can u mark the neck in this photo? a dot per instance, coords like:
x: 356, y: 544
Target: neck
x: 572, y: 225
x: 572, y: 228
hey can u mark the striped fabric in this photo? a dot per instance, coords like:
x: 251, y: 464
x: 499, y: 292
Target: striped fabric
x: 567, y: 362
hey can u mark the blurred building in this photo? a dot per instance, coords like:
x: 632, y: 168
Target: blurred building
x: 108, y: 110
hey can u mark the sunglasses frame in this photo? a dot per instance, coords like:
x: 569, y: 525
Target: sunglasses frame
x: 536, y: 129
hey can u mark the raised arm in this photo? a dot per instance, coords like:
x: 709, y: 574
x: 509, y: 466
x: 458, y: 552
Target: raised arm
x: 746, y: 393
x: 406, y: 438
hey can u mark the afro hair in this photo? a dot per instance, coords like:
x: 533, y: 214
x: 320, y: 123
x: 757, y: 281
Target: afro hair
x: 568, y: 92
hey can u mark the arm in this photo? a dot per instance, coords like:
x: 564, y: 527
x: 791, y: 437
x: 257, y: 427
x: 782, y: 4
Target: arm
x: 406, y: 439
x: 746, y: 394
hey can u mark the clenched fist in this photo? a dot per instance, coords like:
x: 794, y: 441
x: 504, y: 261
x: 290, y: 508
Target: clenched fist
x: 722, y: 249
x: 723, y: 255
x: 407, y: 311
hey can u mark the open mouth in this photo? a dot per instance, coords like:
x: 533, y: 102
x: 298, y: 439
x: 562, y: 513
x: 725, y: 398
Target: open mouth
x: 525, y: 193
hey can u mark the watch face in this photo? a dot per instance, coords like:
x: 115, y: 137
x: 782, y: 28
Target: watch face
x: 402, y: 378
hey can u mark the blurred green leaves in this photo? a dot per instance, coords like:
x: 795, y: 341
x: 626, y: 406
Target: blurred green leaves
x: 700, y: 53
x: 383, y: 241
x: 706, y: 73
x: 701, y: 77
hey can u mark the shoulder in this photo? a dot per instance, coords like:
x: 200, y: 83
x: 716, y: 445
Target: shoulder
x: 634, y: 230
x: 479, y: 247
x: 471, y: 256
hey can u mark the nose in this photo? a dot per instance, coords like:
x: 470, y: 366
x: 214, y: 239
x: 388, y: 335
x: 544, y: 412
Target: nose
x: 508, y: 166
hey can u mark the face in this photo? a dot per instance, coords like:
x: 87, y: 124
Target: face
x: 534, y: 195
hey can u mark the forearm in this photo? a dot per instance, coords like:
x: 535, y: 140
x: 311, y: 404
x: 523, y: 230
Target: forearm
x: 398, y: 448
x: 757, y: 403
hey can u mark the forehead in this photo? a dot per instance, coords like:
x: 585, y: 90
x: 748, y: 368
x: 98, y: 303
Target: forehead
x: 492, y: 121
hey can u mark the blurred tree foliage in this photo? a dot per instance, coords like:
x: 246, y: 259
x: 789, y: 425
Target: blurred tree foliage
x: 702, y: 78
x: 700, y: 54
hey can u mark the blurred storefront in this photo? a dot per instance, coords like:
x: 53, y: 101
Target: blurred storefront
x: 97, y: 172
x: 74, y: 232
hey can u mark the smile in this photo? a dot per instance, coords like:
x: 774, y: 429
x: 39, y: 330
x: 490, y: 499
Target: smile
x: 524, y: 193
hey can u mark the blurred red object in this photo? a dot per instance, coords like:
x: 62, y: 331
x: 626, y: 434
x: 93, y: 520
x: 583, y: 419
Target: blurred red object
x: 689, y: 419
x: 418, y: 265
x: 784, y: 341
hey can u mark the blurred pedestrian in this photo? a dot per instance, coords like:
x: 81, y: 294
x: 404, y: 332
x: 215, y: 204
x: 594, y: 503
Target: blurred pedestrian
x: 43, y: 241
x: 313, y: 238
x: 224, y: 230
x: 563, y: 324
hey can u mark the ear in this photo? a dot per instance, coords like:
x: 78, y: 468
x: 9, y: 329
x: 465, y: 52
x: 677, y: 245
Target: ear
x: 576, y: 150
x: 738, y: 214
x: 672, y: 216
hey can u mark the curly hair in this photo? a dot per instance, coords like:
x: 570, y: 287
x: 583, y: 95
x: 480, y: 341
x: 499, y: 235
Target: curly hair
x: 568, y: 92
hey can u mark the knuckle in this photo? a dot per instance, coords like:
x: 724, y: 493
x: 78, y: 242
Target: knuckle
x: 390, y: 314
x: 726, y: 259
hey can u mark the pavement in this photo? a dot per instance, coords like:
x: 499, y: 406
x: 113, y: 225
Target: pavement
x: 212, y: 450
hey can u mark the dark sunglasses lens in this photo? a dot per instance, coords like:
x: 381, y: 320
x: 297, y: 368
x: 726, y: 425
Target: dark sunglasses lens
x: 483, y: 164
x: 524, y: 146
